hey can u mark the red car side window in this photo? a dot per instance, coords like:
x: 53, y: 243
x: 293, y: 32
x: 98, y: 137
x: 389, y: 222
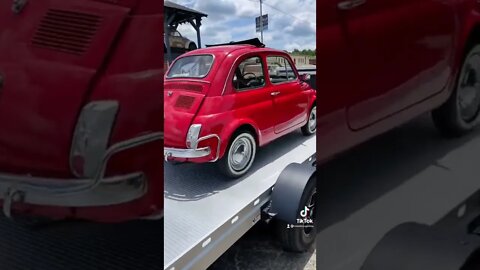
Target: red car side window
x: 249, y: 74
x: 280, y: 70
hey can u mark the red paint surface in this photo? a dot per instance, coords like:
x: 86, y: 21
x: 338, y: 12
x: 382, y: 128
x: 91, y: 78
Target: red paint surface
x: 384, y: 63
x: 45, y: 91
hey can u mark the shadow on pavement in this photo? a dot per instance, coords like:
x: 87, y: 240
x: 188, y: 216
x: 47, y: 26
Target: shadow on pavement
x: 367, y: 172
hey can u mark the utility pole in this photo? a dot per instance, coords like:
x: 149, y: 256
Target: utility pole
x: 261, y: 21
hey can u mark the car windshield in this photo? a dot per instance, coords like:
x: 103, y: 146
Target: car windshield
x: 196, y: 66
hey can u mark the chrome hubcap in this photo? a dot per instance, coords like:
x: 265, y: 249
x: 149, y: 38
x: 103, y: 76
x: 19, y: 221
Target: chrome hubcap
x: 240, y: 153
x: 312, y: 121
x: 469, y: 89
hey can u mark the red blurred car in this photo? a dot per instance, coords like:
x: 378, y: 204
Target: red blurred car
x: 222, y: 102
x: 80, y: 132
x: 384, y: 62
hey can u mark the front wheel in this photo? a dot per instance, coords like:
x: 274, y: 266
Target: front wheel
x: 460, y: 114
x: 311, y: 126
x: 239, y: 155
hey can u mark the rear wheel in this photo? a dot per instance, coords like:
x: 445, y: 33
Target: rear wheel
x: 300, y: 239
x: 239, y: 155
x: 311, y: 126
x: 460, y: 114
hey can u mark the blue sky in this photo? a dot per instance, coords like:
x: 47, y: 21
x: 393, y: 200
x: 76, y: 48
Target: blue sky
x: 291, y: 22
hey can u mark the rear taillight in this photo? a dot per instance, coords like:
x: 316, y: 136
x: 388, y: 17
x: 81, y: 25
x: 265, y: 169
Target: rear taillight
x: 192, y: 136
x: 91, y: 137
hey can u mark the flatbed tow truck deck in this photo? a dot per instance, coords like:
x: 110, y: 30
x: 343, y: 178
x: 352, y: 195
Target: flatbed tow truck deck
x: 206, y: 214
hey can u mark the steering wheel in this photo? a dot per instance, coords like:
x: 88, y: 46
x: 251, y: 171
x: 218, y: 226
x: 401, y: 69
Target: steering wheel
x: 250, y: 73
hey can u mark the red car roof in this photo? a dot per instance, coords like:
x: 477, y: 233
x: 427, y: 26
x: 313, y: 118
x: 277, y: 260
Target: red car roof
x: 229, y: 49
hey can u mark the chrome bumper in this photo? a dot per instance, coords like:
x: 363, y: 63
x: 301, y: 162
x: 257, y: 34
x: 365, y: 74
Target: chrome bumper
x: 95, y: 191
x: 186, y: 153
x: 170, y: 153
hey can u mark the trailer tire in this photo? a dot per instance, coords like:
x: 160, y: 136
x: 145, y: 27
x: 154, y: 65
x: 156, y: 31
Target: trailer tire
x: 299, y: 239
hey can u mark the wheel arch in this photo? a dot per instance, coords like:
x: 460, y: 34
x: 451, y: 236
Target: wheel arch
x: 468, y: 35
x: 234, y: 128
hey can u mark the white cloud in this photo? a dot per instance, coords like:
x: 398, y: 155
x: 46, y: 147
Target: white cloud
x: 228, y: 20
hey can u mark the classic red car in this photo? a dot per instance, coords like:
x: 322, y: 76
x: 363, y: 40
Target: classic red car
x: 80, y: 133
x: 382, y: 63
x: 224, y: 101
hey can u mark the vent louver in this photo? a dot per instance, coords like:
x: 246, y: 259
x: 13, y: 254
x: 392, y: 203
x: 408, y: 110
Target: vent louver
x: 185, y: 102
x: 66, y: 31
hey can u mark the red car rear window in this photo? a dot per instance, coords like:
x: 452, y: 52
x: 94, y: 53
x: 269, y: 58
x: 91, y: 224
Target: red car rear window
x: 195, y: 66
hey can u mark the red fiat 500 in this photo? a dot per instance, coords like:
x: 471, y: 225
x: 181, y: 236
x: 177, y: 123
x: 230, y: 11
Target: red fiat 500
x: 223, y: 101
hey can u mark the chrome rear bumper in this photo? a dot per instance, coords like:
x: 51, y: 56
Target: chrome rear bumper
x: 187, y: 153
x: 94, y: 191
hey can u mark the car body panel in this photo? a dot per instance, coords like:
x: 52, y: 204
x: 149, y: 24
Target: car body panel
x: 33, y: 71
x: 366, y: 90
x: 388, y: 35
x: 46, y: 88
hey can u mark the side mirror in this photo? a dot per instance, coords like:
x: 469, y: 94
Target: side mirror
x: 305, y: 77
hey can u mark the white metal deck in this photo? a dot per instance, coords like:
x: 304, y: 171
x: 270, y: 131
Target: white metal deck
x: 206, y: 213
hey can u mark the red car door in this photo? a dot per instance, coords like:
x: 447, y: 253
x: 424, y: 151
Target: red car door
x: 400, y: 54
x: 250, y: 98
x: 289, y: 100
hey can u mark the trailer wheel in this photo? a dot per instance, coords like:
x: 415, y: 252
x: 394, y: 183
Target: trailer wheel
x: 311, y: 126
x: 461, y: 113
x: 239, y: 156
x: 300, y: 239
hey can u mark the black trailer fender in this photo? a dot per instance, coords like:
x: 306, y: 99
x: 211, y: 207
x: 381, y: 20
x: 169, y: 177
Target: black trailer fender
x: 288, y: 191
x: 415, y: 246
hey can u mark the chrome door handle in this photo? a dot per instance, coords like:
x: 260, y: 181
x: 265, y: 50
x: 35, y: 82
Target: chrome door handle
x: 350, y: 4
x: 275, y: 93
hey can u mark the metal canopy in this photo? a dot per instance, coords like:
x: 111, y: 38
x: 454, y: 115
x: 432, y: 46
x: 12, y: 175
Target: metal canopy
x: 175, y: 15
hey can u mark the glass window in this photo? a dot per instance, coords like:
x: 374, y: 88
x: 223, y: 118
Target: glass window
x: 280, y: 70
x: 195, y: 66
x: 249, y: 74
